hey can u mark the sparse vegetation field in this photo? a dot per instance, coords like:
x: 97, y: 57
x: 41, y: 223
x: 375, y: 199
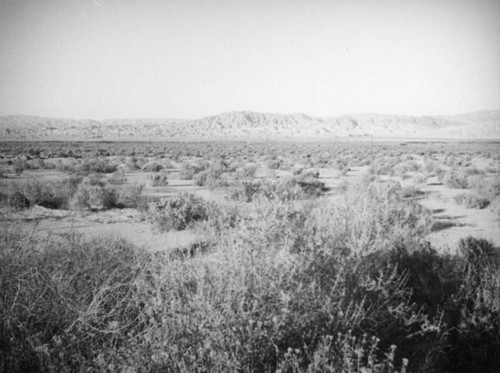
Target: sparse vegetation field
x: 250, y: 257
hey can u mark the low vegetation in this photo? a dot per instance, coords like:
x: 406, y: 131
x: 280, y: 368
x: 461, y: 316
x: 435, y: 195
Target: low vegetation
x: 289, y: 275
x: 178, y: 213
x: 288, y: 287
x: 74, y: 192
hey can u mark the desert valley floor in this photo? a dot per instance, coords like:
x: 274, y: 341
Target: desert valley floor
x: 240, y: 256
x: 417, y: 167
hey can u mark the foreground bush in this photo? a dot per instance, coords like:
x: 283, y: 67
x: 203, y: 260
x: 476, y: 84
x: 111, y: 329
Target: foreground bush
x: 61, y: 304
x: 287, y: 285
x: 104, y: 305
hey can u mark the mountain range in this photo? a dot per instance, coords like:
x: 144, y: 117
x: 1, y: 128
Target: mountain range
x: 244, y: 125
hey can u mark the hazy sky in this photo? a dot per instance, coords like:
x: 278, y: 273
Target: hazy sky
x: 190, y: 58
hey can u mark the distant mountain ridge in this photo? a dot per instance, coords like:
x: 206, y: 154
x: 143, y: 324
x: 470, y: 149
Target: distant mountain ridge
x: 245, y: 125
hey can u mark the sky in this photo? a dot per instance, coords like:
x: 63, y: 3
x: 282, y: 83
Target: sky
x: 105, y: 59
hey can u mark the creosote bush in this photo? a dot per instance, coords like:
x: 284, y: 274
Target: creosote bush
x: 63, y: 303
x: 74, y: 192
x: 93, y: 196
x: 159, y: 179
x: 455, y: 180
x: 285, y: 189
x: 49, y: 194
x: 130, y: 196
x: 100, y: 165
x: 472, y: 201
x: 178, y: 213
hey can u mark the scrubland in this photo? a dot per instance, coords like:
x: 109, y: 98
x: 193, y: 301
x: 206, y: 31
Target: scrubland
x: 302, y: 257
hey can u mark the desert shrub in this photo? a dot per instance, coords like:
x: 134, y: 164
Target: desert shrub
x: 306, y: 173
x: 463, y: 291
x: 248, y: 171
x: 419, y: 178
x: 65, y: 303
x: 455, y: 180
x: 378, y: 217
x: 214, y: 175
x: 345, y: 353
x: 285, y: 291
x: 286, y: 189
x: 159, y: 179
x: 19, y: 166
x: 310, y: 184
x: 130, y: 196
x: 410, y: 192
x: 474, y: 337
x: 432, y: 167
x: 224, y: 216
x: 475, y: 181
x: 36, y: 164
x: 187, y: 172
x: 201, y: 178
x: 101, y: 166
x: 49, y: 194
x: 273, y: 164
x: 433, y: 278
x: 167, y: 163
x: 49, y: 165
x: 68, y: 166
x: 368, y: 178
x: 153, y: 167
x: 472, y: 201
x: 471, y: 170
x: 246, y: 191
x: 382, y: 166
x: 91, y: 196
x: 474, y: 321
x: 178, y: 213
x: 477, y: 251
x: 402, y: 168
x: 96, y: 179
x: 117, y: 178
x: 16, y: 199
x: 190, y: 169
x: 491, y: 188
x: 133, y: 164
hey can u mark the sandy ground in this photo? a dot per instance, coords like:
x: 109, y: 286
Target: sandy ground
x: 125, y: 223
x: 454, y: 222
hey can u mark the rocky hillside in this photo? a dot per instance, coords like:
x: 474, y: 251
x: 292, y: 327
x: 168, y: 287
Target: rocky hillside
x: 251, y: 125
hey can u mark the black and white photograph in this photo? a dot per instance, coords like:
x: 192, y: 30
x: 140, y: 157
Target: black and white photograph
x: 282, y: 186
